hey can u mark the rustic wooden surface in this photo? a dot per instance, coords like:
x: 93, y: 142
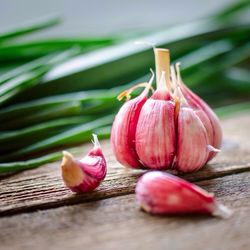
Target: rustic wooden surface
x: 34, y: 215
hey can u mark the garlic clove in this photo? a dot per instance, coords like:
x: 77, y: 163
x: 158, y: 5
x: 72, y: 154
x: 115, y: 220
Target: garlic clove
x: 215, y: 130
x: 123, y: 130
x: 123, y: 133
x: 207, y: 124
x: 161, y: 193
x: 86, y: 174
x: 155, y: 134
x: 192, y: 141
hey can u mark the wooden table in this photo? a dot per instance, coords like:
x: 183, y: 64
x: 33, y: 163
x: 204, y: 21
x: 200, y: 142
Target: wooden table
x: 38, y: 212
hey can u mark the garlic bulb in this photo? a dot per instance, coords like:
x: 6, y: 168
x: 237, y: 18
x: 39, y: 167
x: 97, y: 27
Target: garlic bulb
x: 86, y: 174
x: 172, y: 128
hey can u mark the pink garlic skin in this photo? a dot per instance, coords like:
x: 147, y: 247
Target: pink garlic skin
x: 86, y: 174
x: 94, y: 168
x: 162, y: 193
x: 192, y: 151
x: 214, y: 128
x: 123, y: 131
x: 173, y: 128
x: 207, y: 124
x: 155, y: 132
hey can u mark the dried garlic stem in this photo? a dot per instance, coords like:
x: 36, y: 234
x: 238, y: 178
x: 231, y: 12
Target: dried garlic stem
x: 162, y: 62
x: 126, y: 93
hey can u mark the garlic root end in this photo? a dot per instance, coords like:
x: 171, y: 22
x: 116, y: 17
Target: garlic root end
x: 222, y: 211
x: 213, y: 149
x: 95, y: 141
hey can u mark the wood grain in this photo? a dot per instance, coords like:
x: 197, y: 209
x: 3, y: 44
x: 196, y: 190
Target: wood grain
x: 117, y: 223
x: 43, y: 188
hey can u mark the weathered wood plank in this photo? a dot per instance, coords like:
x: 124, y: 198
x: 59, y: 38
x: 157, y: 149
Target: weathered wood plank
x: 117, y: 223
x: 43, y: 188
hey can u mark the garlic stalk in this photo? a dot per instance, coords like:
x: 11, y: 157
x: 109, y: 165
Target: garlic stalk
x: 86, y: 174
x: 173, y: 128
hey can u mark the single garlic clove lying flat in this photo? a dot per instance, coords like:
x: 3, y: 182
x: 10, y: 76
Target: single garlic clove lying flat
x: 192, y: 141
x: 86, y: 174
x: 161, y: 193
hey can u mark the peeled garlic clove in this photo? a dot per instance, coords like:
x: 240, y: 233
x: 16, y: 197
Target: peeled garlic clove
x: 155, y: 132
x: 123, y: 130
x: 192, y: 142
x: 162, y: 193
x: 86, y: 174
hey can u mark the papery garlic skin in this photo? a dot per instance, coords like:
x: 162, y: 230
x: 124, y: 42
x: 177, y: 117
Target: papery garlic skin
x: 206, y: 115
x: 192, y: 152
x: 164, y: 194
x: 123, y: 132
x: 155, y: 131
x: 173, y: 128
x: 86, y: 174
x: 124, y: 128
x: 207, y: 124
x: 155, y: 134
x: 214, y: 129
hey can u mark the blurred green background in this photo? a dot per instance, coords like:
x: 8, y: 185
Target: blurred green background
x: 97, y: 17
x: 63, y: 63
